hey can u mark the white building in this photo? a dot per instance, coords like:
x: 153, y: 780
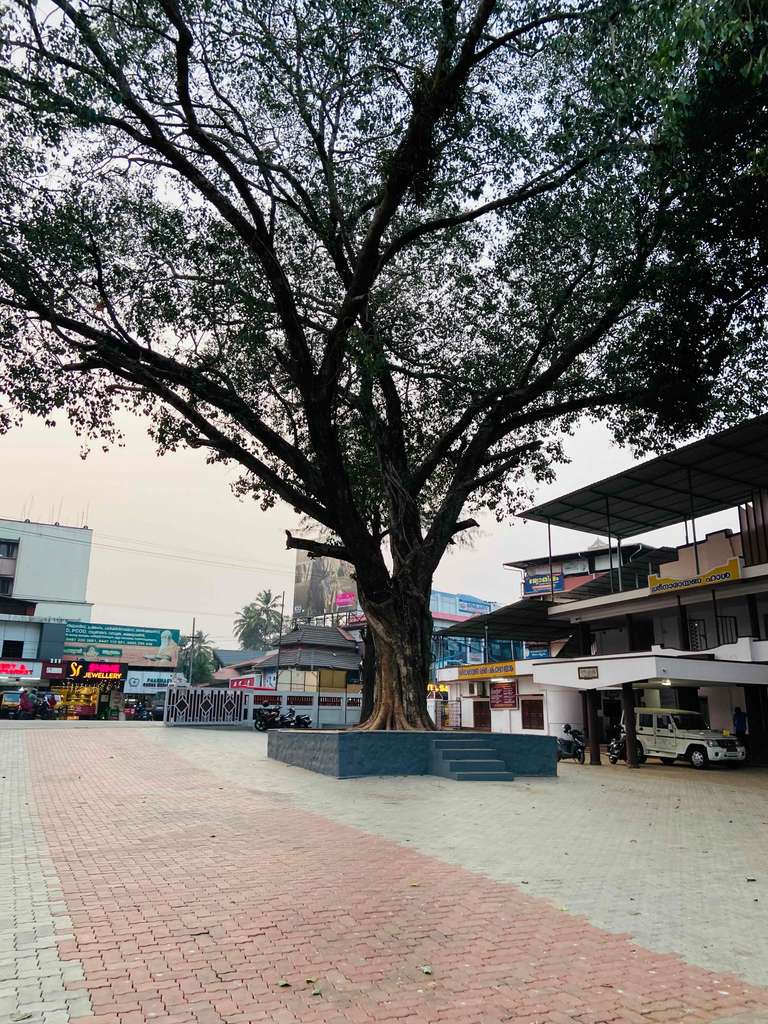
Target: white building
x: 692, y: 636
x: 43, y: 580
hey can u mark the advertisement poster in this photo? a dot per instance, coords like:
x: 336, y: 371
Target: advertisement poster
x: 136, y: 646
x: 504, y: 696
x: 322, y: 586
x: 541, y: 584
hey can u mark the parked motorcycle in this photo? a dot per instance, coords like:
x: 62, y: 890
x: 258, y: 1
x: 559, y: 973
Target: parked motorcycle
x: 291, y: 720
x: 266, y: 717
x: 617, y: 750
x: 571, y: 747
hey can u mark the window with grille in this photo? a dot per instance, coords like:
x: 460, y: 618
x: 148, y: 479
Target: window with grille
x: 533, y: 713
x: 729, y: 629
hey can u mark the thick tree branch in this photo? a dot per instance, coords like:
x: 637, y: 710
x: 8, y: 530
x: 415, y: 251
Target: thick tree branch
x: 539, y: 185
x: 316, y: 548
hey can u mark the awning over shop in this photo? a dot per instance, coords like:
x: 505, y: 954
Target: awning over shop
x: 711, y: 475
x: 524, y: 620
x: 612, y: 671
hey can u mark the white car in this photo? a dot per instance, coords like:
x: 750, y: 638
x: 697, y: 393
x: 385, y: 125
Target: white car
x: 672, y: 735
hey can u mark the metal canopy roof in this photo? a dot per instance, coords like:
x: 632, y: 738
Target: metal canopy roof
x: 525, y: 620
x: 716, y: 473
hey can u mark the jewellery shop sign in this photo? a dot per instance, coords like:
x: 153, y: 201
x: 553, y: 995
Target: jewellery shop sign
x: 95, y: 673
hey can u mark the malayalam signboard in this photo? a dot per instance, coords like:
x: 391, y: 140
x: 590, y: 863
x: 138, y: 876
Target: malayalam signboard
x: 469, y: 605
x: 720, y: 574
x: 487, y: 671
x: 543, y: 583
x: 137, y: 646
x: 504, y: 696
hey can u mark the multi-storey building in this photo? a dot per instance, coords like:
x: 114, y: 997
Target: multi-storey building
x: 43, y: 579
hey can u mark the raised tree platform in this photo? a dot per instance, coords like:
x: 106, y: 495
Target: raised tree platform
x: 466, y: 756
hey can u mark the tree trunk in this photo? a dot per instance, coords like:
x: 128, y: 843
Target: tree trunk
x: 400, y: 629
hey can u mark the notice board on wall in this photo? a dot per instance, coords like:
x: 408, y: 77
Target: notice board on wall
x: 505, y: 696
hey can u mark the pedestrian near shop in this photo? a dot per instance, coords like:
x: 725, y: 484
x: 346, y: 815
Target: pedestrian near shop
x: 26, y: 707
x: 740, y: 725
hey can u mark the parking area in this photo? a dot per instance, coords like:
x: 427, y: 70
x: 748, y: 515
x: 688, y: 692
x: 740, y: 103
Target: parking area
x: 186, y: 876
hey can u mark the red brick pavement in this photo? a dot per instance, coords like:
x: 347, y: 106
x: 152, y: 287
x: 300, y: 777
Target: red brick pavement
x: 191, y: 901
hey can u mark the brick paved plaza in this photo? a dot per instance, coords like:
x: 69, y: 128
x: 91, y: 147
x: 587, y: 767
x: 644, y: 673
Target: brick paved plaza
x: 177, y: 876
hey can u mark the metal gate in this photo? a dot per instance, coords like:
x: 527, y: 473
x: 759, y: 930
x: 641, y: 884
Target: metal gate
x: 448, y: 714
x: 207, y: 705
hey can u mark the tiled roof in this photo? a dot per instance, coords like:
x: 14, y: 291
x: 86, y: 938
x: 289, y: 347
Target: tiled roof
x: 228, y: 657
x: 319, y: 636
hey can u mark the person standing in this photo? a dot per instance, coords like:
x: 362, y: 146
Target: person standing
x: 740, y: 725
x: 26, y: 706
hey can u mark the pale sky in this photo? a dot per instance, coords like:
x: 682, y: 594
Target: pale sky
x: 171, y: 541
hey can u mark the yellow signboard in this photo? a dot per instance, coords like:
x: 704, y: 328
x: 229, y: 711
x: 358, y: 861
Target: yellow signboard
x: 721, y: 574
x: 492, y: 670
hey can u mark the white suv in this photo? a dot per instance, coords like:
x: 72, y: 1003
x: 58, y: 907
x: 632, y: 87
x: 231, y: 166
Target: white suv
x: 672, y: 734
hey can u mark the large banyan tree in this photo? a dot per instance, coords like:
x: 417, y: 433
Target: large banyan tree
x: 383, y: 255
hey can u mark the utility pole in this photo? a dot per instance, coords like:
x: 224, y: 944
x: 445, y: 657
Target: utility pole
x: 191, y: 654
x: 279, y: 641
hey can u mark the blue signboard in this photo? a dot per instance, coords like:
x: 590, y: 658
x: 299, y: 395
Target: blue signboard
x: 543, y: 583
x: 537, y: 651
x: 469, y: 605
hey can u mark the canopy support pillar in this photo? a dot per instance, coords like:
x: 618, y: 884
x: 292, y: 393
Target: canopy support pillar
x: 594, y: 727
x: 628, y: 707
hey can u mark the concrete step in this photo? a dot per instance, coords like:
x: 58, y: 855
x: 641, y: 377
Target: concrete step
x: 470, y: 742
x: 459, y: 753
x: 490, y: 765
x: 483, y: 776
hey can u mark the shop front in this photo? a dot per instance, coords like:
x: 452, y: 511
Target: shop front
x: 15, y: 673
x: 87, y: 689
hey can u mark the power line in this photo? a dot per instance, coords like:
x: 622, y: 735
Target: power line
x: 170, y: 611
x: 214, y: 563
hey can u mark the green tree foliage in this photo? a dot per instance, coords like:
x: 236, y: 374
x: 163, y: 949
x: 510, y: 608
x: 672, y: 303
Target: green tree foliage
x: 258, y: 624
x: 383, y: 255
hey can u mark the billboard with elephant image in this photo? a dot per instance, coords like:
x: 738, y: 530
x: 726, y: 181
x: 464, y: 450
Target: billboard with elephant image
x: 136, y: 646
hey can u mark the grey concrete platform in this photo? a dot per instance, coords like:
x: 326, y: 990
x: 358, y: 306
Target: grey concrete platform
x: 465, y: 756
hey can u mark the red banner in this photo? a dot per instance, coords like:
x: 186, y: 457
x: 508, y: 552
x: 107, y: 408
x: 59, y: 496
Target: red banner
x: 504, y: 696
x: 243, y: 683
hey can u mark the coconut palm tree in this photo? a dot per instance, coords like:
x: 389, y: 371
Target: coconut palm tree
x: 258, y: 624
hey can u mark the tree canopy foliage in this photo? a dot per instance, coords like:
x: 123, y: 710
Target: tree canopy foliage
x: 259, y: 623
x: 382, y: 255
